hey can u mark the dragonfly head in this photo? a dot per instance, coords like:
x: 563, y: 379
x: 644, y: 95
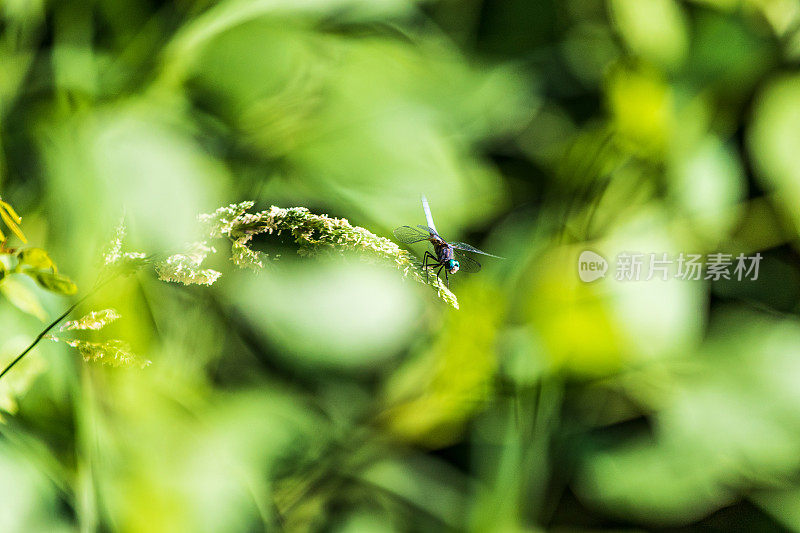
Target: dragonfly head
x: 452, y: 266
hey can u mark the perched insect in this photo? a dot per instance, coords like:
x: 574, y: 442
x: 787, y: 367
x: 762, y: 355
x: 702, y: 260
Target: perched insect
x: 449, y: 256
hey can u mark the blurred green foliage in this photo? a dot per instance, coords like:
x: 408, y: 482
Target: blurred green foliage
x: 325, y: 393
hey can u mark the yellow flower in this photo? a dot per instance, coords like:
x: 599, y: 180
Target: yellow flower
x: 11, y: 220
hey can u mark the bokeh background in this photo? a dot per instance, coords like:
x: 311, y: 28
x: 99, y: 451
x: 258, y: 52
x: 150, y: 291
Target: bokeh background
x: 328, y: 394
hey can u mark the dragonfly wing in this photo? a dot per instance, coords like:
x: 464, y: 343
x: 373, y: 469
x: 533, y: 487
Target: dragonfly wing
x: 428, y: 216
x: 466, y: 247
x: 466, y: 263
x: 429, y: 229
x: 410, y: 235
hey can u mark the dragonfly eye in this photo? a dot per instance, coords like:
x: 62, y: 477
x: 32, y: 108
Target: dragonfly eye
x: 453, y: 266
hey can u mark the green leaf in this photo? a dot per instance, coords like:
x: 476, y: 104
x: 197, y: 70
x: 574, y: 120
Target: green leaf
x: 36, y: 258
x: 774, y: 143
x: 16, y: 384
x: 53, y: 281
x: 22, y: 297
x: 654, y: 29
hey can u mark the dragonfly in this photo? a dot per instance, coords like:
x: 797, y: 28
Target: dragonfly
x: 449, y: 257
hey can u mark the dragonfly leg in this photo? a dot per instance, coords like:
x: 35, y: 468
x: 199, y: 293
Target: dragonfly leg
x: 425, y: 260
x: 439, y: 272
x: 428, y: 261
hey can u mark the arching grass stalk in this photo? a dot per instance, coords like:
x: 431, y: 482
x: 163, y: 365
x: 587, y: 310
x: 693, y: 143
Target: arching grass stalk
x: 315, y: 234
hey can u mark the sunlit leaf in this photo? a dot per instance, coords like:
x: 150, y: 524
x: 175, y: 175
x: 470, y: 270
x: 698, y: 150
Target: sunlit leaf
x: 641, y: 105
x: 775, y: 142
x: 22, y: 297
x: 708, y: 182
x: 656, y: 30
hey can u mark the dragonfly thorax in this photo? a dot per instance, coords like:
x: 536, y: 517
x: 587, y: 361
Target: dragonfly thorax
x: 444, y: 252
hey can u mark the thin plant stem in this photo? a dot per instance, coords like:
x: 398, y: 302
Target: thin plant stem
x: 53, y: 324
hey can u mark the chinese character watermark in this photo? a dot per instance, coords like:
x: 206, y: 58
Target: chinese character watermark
x: 690, y: 266
x: 685, y: 266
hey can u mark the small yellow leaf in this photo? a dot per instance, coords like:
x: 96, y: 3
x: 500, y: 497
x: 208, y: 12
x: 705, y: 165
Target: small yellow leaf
x: 11, y: 220
x: 53, y: 282
x: 36, y: 258
x: 11, y: 212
